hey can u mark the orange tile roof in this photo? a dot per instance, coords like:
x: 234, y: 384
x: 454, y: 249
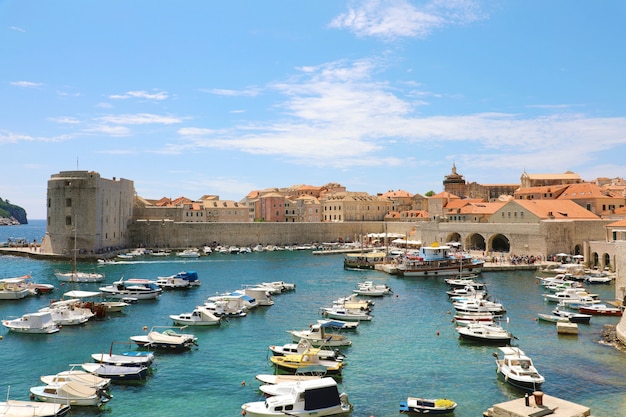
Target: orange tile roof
x: 555, y: 209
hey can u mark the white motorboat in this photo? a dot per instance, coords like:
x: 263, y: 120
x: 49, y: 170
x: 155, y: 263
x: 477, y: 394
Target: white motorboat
x: 281, y: 286
x: 168, y: 339
x: 69, y: 312
x: 305, y: 346
x: 223, y: 308
x: 98, y: 304
x: 517, y: 369
x: 486, y: 333
x: 200, y: 316
x: 345, y: 314
x: 339, y: 324
x: 76, y: 375
x: 72, y: 392
x: 463, y: 319
x: 318, y: 336
x: 13, y: 289
x: 568, y: 295
x: 184, y: 279
x: 188, y: 253
x: 77, y: 276
x: 115, y: 372
x: 40, y: 322
x: 236, y: 300
x: 373, y: 290
x: 260, y: 295
x: 318, y: 397
x: 142, y: 289
x: 18, y: 408
x: 479, y: 306
x: 572, y: 316
x: 123, y: 359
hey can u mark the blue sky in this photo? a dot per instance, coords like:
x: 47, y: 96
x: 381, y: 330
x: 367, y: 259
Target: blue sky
x: 224, y: 97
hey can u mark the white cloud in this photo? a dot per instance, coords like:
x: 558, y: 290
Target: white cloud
x: 109, y: 130
x: 18, y: 29
x: 26, y: 84
x: 157, y: 95
x: 64, y: 120
x: 392, y: 19
x: 249, y: 92
x: 140, y: 119
x: 336, y: 115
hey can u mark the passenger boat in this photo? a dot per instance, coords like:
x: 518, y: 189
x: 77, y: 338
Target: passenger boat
x: 366, y: 260
x: 318, y: 397
x: 40, y: 322
x: 486, y: 333
x: 517, y: 369
x: 142, y: 289
x: 18, y: 408
x: 415, y: 405
x: 438, y: 260
x: 72, y: 392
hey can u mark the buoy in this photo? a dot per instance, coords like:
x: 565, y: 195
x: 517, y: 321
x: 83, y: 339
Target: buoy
x: 437, y: 333
x: 243, y: 383
x: 145, y: 328
x: 451, y: 320
x: 243, y: 412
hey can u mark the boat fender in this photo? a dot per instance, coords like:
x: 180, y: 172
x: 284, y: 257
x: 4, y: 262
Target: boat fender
x: 243, y: 412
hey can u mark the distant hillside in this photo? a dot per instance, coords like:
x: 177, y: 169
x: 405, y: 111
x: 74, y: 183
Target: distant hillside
x: 10, y: 211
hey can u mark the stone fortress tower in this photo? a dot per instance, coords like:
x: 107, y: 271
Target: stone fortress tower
x: 87, y: 212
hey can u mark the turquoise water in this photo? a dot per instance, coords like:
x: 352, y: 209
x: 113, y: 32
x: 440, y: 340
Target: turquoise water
x: 410, y: 348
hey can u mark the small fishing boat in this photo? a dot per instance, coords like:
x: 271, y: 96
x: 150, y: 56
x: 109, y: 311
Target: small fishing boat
x: 318, y: 336
x: 40, y: 322
x: 200, y: 316
x: 184, y: 279
x: 76, y: 375
x: 486, y: 333
x: 601, y: 310
x: 116, y: 373
x: 416, y: 405
x: 168, y: 340
x: 572, y: 316
x: 72, y: 392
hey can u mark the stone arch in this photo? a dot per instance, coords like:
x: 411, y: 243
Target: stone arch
x: 499, y: 243
x: 606, y: 260
x: 475, y: 241
x: 578, y: 250
x: 595, y: 259
x: 454, y: 237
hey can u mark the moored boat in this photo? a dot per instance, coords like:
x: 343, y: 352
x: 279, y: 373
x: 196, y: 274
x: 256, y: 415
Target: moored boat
x: 319, y: 397
x: 438, y: 260
x: 417, y: 405
x: 18, y: 408
x: 115, y: 372
x: 601, y: 310
x: 200, y: 316
x: 142, y: 289
x: 168, y: 340
x: 72, y: 392
x: 367, y: 260
x: 318, y: 336
x: 184, y: 279
x: 486, y: 333
x: 40, y: 322
x: 517, y: 369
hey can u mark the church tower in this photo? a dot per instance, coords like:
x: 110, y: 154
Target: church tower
x: 454, y: 183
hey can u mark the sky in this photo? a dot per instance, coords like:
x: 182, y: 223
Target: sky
x: 225, y: 97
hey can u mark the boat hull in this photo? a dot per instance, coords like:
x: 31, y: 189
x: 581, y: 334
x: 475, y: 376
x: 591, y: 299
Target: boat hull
x: 439, y: 271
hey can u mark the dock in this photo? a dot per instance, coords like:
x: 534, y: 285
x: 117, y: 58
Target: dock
x: 539, y: 404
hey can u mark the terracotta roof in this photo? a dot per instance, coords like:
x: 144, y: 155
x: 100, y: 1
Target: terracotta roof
x: 483, y: 208
x: 583, y: 190
x: 445, y: 195
x: 619, y: 223
x: 554, y: 189
x: 565, y: 176
x: 397, y: 193
x: 459, y: 203
x: 555, y: 209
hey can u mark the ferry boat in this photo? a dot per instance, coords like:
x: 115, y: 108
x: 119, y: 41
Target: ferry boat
x: 367, y: 260
x: 439, y: 260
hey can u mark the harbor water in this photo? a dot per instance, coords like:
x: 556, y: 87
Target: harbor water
x: 410, y: 348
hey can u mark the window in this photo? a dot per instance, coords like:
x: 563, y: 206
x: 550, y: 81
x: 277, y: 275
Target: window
x: 68, y: 220
x: 68, y: 202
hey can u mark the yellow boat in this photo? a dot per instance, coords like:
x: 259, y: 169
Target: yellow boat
x: 294, y: 362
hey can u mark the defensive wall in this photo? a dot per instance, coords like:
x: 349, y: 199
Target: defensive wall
x: 545, y: 238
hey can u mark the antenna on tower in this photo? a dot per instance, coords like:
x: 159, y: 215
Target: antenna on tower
x: 76, y: 163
